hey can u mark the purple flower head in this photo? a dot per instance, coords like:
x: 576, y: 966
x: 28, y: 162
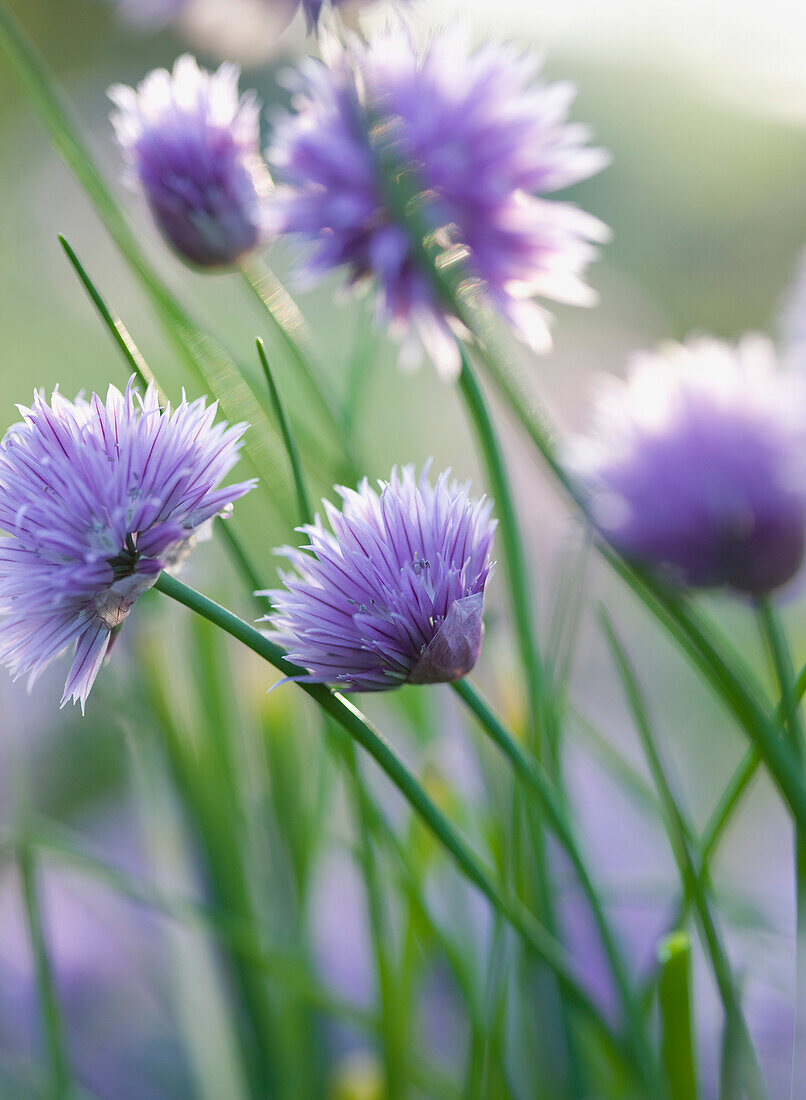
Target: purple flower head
x: 394, y: 592
x: 698, y: 465
x: 95, y: 500
x: 193, y: 148
x: 486, y: 142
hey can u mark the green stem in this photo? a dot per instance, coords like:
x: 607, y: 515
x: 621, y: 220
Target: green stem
x: 520, y: 596
x: 53, y: 1028
x: 734, y: 683
x: 303, y: 502
x: 289, y: 324
x: 690, y: 872
x: 118, y: 331
x: 411, y: 882
x: 729, y: 800
x: 392, y: 1032
x: 774, y: 638
x: 530, y: 930
x: 394, y: 1056
x: 674, y: 999
x: 773, y: 635
x: 535, y: 778
x: 717, y: 823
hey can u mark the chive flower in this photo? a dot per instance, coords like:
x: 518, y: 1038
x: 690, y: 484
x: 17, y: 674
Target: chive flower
x: 697, y: 465
x: 193, y: 148
x: 393, y: 593
x: 484, y: 140
x: 96, y: 499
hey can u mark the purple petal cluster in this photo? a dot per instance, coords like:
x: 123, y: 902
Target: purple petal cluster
x: 96, y: 498
x: 193, y: 148
x: 486, y: 140
x: 393, y: 593
x: 697, y: 465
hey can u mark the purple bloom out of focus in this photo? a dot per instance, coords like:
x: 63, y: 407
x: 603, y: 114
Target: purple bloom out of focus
x: 96, y: 499
x: 394, y: 593
x: 486, y: 142
x: 698, y: 464
x: 193, y: 148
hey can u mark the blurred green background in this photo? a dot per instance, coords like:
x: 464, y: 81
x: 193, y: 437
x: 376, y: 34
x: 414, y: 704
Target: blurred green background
x: 706, y: 198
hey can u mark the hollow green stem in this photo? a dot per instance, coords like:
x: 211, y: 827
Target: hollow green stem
x: 59, y: 1087
x: 674, y: 998
x: 350, y: 718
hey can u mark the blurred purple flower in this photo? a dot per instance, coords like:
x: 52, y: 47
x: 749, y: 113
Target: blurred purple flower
x: 698, y: 465
x: 193, y: 148
x: 485, y: 140
x: 96, y: 500
x: 396, y: 593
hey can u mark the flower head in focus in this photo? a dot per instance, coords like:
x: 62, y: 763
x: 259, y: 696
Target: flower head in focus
x: 394, y: 592
x: 96, y: 498
x: 697, y: 464
x: 486, y: 142
x: 193, y: 149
